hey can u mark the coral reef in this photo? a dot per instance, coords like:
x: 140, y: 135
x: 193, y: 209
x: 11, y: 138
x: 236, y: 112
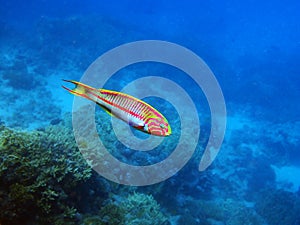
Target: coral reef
x: 92, y: 220
x: 279, y: 207
x: 136, y: 209
x: 39, y: 172
x: 219, y: 211
x: 26, y: 105
x: 142, y: 209
x: 19, y: 77
x: 45, y: 180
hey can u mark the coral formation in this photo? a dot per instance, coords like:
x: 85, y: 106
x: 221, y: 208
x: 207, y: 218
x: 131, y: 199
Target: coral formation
x: 279, y: 207
x: 19, y: 77
x: 38, y: 172
x: 136, y: 209
x: 219, y: 211
x: 142, y: 209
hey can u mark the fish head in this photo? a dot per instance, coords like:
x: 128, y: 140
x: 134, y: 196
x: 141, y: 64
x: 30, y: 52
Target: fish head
x: 158, y: 127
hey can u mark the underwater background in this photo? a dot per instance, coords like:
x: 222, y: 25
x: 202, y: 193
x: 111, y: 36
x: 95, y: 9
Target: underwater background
x: 253, y: 49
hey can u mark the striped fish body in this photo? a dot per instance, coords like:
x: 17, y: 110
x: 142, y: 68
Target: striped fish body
x: 131, y: 110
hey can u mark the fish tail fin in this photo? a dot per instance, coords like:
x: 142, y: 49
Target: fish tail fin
x: 80, y: 88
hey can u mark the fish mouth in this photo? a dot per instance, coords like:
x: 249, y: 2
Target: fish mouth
x: 169, y: 132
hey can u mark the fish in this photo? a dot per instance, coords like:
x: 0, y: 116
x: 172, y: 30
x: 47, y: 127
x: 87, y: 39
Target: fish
x: 135, y: 112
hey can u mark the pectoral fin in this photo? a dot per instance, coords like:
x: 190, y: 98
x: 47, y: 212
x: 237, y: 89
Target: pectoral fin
x: 107, y: 110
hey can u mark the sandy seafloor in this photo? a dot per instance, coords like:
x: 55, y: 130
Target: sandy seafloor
x: 253, y: 49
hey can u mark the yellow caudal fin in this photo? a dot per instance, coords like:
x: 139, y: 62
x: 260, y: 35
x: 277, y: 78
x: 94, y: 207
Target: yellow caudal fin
x: 79, y: 90
x: 84, y: 91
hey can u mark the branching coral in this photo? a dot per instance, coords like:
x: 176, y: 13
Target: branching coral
x: 142, y: 209
x: 136, y: 209
x: 38, y: 171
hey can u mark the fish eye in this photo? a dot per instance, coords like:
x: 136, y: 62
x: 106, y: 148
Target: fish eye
x: 162, y: 126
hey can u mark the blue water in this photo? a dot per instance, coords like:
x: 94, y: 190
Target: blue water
x: 252, y: 48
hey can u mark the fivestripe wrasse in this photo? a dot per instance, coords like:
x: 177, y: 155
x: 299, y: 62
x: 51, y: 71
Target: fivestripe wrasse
x: 131, y: 110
